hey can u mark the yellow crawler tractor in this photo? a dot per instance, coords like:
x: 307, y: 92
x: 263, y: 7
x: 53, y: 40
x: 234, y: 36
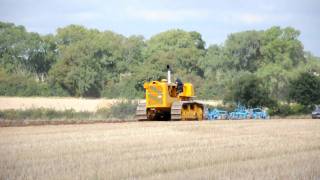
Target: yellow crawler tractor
x: 166, y: 100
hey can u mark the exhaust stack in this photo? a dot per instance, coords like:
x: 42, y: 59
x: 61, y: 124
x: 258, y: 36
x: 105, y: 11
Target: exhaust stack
x: 169, y: 74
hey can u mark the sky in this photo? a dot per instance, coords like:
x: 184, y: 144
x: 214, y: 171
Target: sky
x: 215, y: 20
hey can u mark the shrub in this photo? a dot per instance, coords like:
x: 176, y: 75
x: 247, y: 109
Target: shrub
x: 299, y: 109
x: 287, y: 109
x: 126, y: 88
x: 305, y: 89
x: 18, y: 85
x: 42, y: 113
x: 122, y: 110
x: 280, y: 109
x: 248, y: 90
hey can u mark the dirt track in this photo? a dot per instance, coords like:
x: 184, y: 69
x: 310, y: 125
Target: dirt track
x: 272, y: 149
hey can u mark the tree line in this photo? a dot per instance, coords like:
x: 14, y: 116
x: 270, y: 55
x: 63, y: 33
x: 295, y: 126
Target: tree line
x: 252, y: 67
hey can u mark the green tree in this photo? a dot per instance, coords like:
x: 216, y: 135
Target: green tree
x: 249, y: 91
x: 282, y: 46
x: 243, y: 50
x: 305, y: 89
x: 275, y: 79
x: 182, y: 50
x: 21, y: 51
x: 90, y: 61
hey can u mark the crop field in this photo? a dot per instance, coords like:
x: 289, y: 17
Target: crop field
x: 248, y: 149
x: 56, y: 103
x: 64, y: 103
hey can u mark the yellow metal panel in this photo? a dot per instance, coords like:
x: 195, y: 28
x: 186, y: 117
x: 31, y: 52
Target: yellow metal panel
x: 146, y: 85
x: 157, y: 95
x: 187, y: 90
x: 154, y: 94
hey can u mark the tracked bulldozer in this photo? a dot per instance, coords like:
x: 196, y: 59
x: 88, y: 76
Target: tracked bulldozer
x: 166, y: 100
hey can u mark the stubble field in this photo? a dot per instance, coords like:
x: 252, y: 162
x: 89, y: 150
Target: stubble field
x: 261, y: 149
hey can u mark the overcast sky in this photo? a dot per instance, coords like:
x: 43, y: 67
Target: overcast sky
x: 213, y: 19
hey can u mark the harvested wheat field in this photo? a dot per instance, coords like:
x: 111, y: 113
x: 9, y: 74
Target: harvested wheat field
x: 56, y: 103
x: 271, y: 149
x: 65, y: 103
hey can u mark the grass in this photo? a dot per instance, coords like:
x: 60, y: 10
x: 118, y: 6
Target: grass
x: 121, y: 111
x: 273, y: 149
x: 42, y: 113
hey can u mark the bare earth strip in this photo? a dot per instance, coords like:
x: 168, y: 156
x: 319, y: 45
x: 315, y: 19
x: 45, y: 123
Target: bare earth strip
x: 271, y: 149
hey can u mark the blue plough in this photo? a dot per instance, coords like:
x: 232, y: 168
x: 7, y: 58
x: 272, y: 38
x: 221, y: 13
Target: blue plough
x: 217, y: 114
x: 240, y: 112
